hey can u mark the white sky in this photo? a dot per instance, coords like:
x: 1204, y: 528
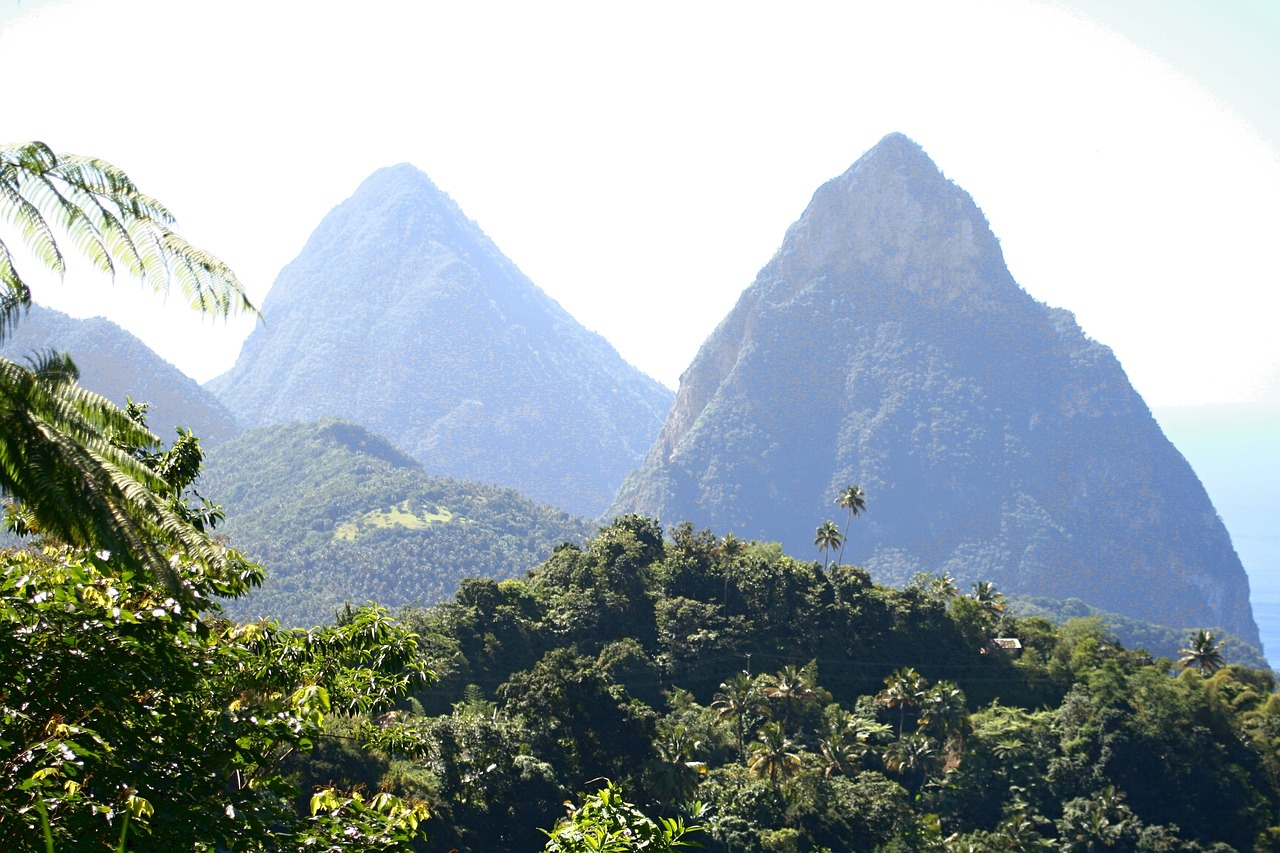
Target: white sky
x: 641, y: 162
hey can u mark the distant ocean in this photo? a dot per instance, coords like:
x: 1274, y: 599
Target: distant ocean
x: 1267, y: 615
x: 1261, y: 558
x: 1235, y: 450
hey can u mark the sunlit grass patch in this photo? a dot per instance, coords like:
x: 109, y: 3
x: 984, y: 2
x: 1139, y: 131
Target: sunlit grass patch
x: 397, y: 516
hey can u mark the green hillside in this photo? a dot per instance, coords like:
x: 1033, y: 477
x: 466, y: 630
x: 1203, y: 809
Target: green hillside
x: 338, y: 514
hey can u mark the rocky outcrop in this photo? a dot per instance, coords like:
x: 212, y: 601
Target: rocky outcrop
x: 887, y: 345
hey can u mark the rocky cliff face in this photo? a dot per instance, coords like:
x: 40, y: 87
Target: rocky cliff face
x: 401, y: 315
x: 887, y: 345
x: 115, y: 364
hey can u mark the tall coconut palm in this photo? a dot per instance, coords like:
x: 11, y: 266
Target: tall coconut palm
x: 740, y: 702
x: 854, y: 500
x: 1204, y: 653
x: 729, y: 550
x: 774, y: 756
x: 61, y: 447
x: 793, y: 688
x: 828, y: 537
x: 903, y: 689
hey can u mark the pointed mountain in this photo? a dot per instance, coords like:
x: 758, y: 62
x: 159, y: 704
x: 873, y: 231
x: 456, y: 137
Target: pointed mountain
x: 115, y: 364
x: 401, y: 315
x: 887, y: 345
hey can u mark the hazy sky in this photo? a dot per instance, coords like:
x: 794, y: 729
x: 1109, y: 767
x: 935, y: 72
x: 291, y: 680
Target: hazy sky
x: 641, y: 161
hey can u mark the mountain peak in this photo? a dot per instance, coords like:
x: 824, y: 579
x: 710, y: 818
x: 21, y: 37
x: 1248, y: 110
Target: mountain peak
x: 401, y: 315
x: 886, y: 344
x: 891, y: 226
x: 401, y: 179
x: 900, y: 152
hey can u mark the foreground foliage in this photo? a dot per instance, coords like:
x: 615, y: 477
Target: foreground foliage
x: 67, y: 454
x: 128, y: 705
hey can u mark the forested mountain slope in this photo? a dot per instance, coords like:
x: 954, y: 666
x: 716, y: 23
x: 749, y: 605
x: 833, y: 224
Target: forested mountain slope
x: 115, y: 364
x: 338, y: 514
x: 401, y: 315
x: 887, y: 345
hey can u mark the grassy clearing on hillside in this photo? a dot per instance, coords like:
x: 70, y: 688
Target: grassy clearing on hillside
x: 397, y: 516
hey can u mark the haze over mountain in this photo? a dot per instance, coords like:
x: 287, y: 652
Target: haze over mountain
x: 887, y: 345
x: 401, y: 315
x: 115, y: 364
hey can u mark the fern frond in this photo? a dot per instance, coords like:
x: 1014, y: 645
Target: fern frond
x: 15, y: 296
x: 69, y: 215
x: 35, y: 231
x: 110, y: 221
x: 209, y: 285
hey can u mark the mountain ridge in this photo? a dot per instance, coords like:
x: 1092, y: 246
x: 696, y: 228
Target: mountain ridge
x: 116, y: 364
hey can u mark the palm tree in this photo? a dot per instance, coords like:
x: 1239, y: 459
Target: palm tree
x: 1204, y: 653
x: 845, y: 739
x: 675, y: 771
x: 944, y: 586
x: 741, y: 702
x: 944, y: 716
x: 69, y: 457
x: 986, y: 594
x: 854, y: 500
x: 793, y: 688
x: 773, y: 755
x: 729, y: 549
x: 828, y: 537
x: 903, y: 689
x: 910, y: 755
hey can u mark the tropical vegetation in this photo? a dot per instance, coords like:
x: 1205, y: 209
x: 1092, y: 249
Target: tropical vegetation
x: 743, y: 700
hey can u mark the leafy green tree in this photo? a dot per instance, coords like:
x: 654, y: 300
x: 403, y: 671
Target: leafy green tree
x: 606, y: 823
x: 828, y: 537
x: 1204, y: 653
x: 130, y: 717
x: 854, y: 501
